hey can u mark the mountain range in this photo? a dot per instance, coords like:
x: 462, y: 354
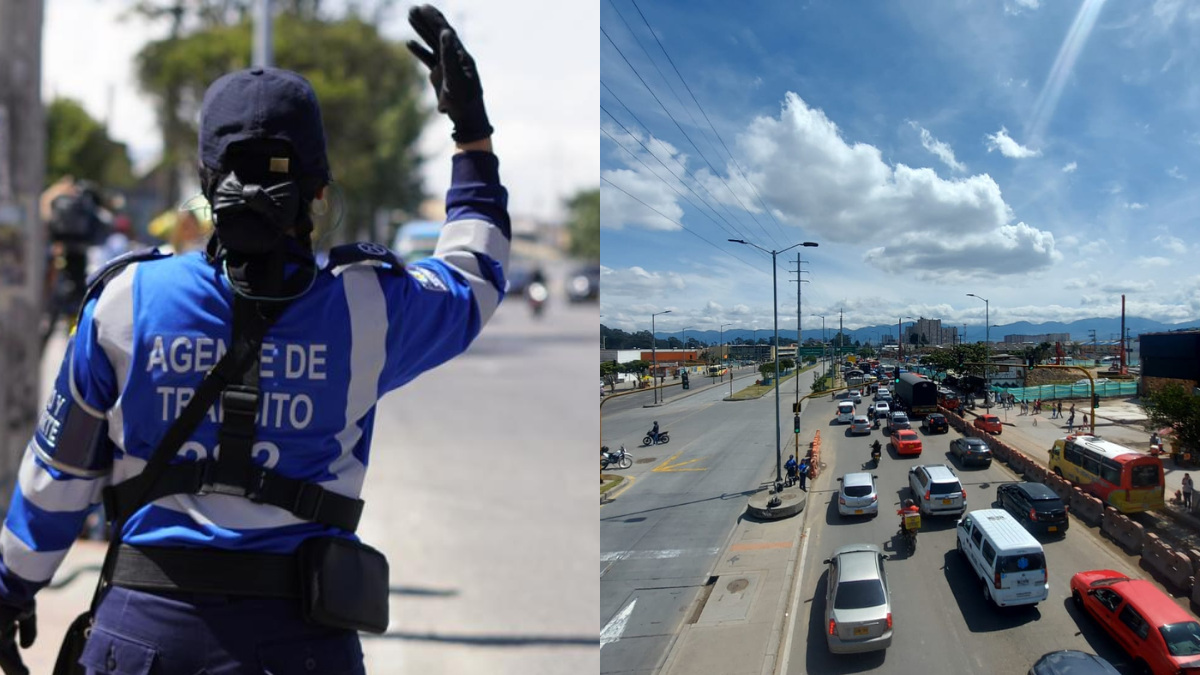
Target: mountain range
x: 1107, y: 328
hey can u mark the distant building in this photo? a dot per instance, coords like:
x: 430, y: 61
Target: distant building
x: 1169, y: 357
x: 1037, y: 339
x: 620, y: 355
x: 928, y: 332
x: 949, y: 336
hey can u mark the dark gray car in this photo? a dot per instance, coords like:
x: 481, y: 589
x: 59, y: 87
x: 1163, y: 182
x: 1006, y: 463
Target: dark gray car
x: 971, y: 451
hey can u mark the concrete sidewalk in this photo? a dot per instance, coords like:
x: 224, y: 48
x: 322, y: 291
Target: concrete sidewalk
x: 739, y: 628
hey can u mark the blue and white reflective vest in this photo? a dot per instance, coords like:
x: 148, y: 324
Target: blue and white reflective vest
x: 149, y: 333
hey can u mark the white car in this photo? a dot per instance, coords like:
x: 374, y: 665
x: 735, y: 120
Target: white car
x: 858, y: 495
x: 882, y: 409
x: 854, y: 395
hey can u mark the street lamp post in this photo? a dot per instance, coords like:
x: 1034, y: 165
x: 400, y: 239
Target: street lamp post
x: 654, y: 353
x: 987, y: 343
x: 823, y: 341
x: 775, y: 307
x: 726, y: 355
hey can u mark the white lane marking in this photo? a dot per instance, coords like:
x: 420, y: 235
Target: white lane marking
x: 616, y: 626
x: 798, y: 584
x: 660, y: 554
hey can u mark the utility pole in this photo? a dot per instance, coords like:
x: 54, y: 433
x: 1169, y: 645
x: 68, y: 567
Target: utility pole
x: 264, y: 47
x: 1095, y: 353
x: 22, y: 239
x: 799, y: 322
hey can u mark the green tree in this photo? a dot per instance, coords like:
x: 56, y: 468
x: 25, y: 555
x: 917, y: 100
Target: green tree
x: 638, y: 366
x: 1175, y: 407
x: 768, y: 369
x: 79, y: 146
x: 786, y: 364
x: 370, y: 90
x: 583, y: 225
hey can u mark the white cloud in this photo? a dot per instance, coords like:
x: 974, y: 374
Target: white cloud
x: 1114, y: 189
x: 941, y: 150
x: 618, y: 210
x: 1175, y: 173
x: 1134, y: 206
x: 1069, y: 240
x: 1157, y: 261
x: 1095, y: 247
x: 1008, y: 147
x: 639, y: 283
x: 844, y: 192
x: 1128, y: 286
x: 1070, y: 168
x: 1175, y: 244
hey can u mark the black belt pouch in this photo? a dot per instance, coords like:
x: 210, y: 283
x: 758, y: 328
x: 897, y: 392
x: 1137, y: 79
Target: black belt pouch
x: 344, y: 584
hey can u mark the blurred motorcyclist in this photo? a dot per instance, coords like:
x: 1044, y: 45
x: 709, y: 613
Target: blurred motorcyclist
x: 654, y: 432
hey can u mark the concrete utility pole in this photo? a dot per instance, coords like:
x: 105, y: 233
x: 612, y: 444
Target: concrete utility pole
x: 264, y: 46
x: 22, y: 240
x: 799, y: 320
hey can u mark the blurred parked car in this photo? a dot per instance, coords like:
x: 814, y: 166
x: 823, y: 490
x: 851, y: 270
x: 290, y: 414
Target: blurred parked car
x: 583, y: 285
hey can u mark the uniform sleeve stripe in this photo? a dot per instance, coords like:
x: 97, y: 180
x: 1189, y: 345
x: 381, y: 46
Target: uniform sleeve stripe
x: 43, y: 530
x: 114, y: 322
x: 368, y: 351
x: 26, y: 563
x: 477, y: 236
x: 53, y: 491
x: 483, y: 288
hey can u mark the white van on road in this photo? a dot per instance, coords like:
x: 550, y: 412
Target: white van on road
x: 845, y: 413
x: 1008, y: 559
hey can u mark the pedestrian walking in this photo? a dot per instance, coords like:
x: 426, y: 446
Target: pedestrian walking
x: 229, y: 573
x: 1060, y: 409
x: 1071, y: 422
x: 1187, y: 491
x: 1085, y: 419
x: 804, y: 473
x: 1072, y: 410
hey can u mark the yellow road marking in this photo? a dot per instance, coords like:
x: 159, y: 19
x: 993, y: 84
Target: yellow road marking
x: 612, y: 497
x: 667, y: 465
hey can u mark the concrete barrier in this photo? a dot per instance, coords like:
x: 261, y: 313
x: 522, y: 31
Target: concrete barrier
x: 1086, y: 507
x: 1124, y: 531
x: 1194, y: 556
x: 1036, y: 472
x: 1016, y: 461
x: 1061, y: 486
x: 1173, y: 566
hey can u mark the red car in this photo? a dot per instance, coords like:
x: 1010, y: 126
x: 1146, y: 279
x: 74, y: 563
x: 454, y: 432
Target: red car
x: 906, y: 442
x: 1159, y: 635
x: 989, y: 423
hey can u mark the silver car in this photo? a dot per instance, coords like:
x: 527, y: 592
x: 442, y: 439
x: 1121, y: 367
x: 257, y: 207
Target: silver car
x: 882, y: 409
x: 899, y: 420
x: 858, y: 604
x: 858, y: 496
x: 860, y: 425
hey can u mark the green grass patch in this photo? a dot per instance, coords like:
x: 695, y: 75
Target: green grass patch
x: 758, y: 390
x: 612, y: 481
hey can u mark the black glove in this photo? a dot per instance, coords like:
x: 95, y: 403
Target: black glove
x: 452, y: 72
x: 14, y: 620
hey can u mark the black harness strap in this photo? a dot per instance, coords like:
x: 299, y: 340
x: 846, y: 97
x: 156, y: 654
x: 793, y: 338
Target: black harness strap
x: 307, y: 501
x: 207, y: 571
x: 234, y: 472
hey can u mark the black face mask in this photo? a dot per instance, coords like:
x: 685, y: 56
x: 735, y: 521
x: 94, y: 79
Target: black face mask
x: 251, y: 219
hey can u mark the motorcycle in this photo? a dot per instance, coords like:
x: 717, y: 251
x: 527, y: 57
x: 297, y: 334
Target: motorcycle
x: 876, y: 455
x: 663, y: 439
x: 621, y: 459
x: 537, y: 295
x: 908, y: 530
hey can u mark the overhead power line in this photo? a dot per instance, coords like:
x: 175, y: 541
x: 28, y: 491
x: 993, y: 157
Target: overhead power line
x: 680, y: 127
x: 705, y: 114
x: 685, y: 228
x: 659, y: 160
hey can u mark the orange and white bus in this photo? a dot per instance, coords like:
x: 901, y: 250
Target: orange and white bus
x: 1124, y: 479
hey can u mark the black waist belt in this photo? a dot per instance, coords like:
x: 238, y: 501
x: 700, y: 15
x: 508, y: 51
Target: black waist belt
x: 207, y: 571
x: 306, y: 501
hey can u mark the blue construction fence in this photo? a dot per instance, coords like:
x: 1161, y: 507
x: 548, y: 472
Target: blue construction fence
x: 1050, y: 392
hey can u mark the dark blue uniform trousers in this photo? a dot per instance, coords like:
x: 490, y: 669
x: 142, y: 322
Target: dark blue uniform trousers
x: 140, y: 633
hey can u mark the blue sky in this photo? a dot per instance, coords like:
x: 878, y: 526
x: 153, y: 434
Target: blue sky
x: 1043, y: 155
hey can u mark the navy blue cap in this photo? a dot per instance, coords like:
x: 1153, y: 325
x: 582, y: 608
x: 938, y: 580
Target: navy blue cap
x: 263, y: 103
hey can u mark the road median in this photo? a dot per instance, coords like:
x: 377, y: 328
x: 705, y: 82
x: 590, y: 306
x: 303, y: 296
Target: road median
x: 759, y: 390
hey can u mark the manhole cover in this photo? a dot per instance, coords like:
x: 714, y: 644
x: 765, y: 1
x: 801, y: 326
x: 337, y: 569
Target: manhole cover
x: 737, y: 585
x: 646, y: 460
